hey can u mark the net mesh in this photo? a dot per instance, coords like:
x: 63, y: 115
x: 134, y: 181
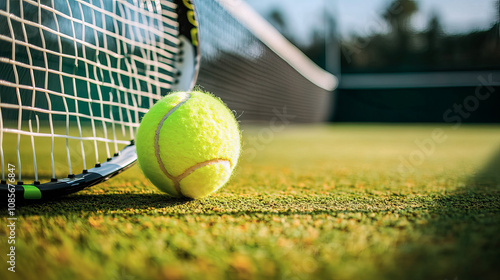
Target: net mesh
x: 248, y: 75
x: 76, y: 76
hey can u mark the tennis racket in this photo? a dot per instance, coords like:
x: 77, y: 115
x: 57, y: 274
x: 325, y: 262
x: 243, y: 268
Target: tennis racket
x: 76, y: 77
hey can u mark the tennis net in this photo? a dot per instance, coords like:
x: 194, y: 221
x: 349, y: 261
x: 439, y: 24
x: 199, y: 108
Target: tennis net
x: 254, y: 69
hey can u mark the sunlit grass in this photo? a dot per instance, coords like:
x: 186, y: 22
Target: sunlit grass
x: 307, y: 202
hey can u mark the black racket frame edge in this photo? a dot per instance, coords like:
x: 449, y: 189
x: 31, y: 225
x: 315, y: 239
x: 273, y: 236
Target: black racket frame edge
x: 73, y: 183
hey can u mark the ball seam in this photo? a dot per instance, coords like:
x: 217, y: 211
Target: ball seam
x: 200, y: 165
x: 157, y: 145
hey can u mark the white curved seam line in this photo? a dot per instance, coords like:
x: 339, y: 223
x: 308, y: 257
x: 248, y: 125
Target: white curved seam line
x: 200, y: 165
x: 157, y: 146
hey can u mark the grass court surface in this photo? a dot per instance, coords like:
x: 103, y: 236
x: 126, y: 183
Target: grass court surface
x: 307, y: 202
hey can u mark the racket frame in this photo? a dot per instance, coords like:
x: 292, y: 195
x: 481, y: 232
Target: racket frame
x: 187, y: 67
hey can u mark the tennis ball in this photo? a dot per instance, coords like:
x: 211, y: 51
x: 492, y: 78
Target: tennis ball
x: 188, y: 144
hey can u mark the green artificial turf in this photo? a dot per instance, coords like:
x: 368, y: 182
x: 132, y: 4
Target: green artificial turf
x: 306, y: 202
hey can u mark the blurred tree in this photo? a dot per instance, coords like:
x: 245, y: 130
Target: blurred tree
x: 398, y: 15
x: 433, y: 39
x: 404, y: 49
x: 277, y: 19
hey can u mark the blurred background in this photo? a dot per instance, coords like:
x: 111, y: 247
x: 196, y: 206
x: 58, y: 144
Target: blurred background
x: 400, y: 60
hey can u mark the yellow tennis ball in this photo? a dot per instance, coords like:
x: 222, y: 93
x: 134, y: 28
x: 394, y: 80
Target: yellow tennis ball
x: 188, y: 144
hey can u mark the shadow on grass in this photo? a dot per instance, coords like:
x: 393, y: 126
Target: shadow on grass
x: 99, y: 202
x: 489, y: 176
x: 462, y: 237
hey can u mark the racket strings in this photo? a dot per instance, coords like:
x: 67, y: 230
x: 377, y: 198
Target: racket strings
x: 79, y: 74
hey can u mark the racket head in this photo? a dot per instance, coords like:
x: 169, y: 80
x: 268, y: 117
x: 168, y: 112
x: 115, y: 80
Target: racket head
x: 135, y: 52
